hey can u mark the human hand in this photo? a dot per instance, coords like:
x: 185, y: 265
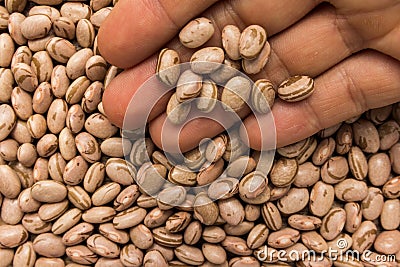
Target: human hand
x: 350, y: 48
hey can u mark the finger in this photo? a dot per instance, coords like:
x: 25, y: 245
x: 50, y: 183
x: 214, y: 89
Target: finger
x: 299, y: 50
x: 135, y: 29
x: 364, y: 81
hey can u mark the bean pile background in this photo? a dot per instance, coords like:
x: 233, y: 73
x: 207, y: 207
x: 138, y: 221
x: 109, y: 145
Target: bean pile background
x: 68, y: 198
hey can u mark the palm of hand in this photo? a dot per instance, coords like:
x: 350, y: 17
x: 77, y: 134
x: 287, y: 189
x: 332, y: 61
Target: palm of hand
x: 349, y: 47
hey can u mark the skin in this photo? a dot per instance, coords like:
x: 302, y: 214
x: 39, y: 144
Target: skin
x: 350, y: 48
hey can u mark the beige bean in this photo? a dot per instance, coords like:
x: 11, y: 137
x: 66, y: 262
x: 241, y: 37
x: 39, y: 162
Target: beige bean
x: 193, y: 233
x: 6, y: 85
x: 165, y: 238
x: 351, y: 190
x: 49, y: 191
x: 4, y: 16
x: 168, y: 69
x: 334, y: 170
x: 79, y: 197
x: 60, y: 49
x: 9, y: 149
x: 235, y: 93
x: 196, y: 32
x: 230, y: 41
x: 34, y: 224
x: 37, y: 125
x: 379, y: 169
x: 49, y: 262
x: 98, y: 214
x: 75, y: 11
x: 85, y: 33
x: 35, y: 26
x: 40, y: 43
x: 107, y: 262
x: 96, y: 68
x: 391, y: 189
x: 344, y: 139
x: 205, y: 210
x: 14, y: 27
x: 76, y: 90
x: 99, y: 16
x: 56, y: 167
x: 189, y: 255
x: 42, y: 66
x: 81, y: 254
x: 207, y: 98
x: 236, y: 245
x: 257, y: 236
x: 92, y: 97
x: 25, y: 77
x: 45, y: 9
x: 56, y: 115
x: 75, y: 170
x: 188, y: 86
x: 141, y: 236
x: 379, y: 115
x: 207, y: 60
x: 182, y: 175
x: 340, y: 244
x: 77, y: 62
x: 255, y: 65
x: 394, y: 154
x: 252, y: 40
x: 178, y: 221
x: 51, y: 211
x: 105, y: 194
x: 115, y: 235
x: 358, y: 163
x: 314, y: 241
x: 88, y: 147
x: 295, y: 200
x: 271, y: 216
x: 42, y: 98
x: 156, y: 217
x: 214, y: 253
x: 171, y: 196
x: 228, y: 70
x: 102, y: 246
x: 99, y: 126
x: 120, y: 171
x: 78, y: 234
x: 115, y: 147
x: 24, y: 255
x: 321, y: 198
x: 307, y: 175
x: 372, y: 204
x: 64, y: 27
x: 354, y: 215
x: 387, y: 242
x: 22, y: 103
x: 304, y: 222
x: 11, y: 213
x: 20, y: 132
x: 333, y: 223
x: 49, y: 245
x: 59, y: 81
x: 129, y: 218
x: 296, y: 88
x: 66, y: 143
x: 324, y: 151
x: 154, y: 258
x: 26, y: 202
x: 94, y: 177
x: 390, y: 215
x: 7, y: 51
x: 366, y: 136
x: 388, y: 134
x: 75, y: 118
x: 12, y: 236
x: 283, y: 172
x: 66, y: 221
x: 263, y: 95
x: 364, y: 236
x: 10, y: 185
x: 126, y: 198
x: 47, y: 145
x: 131, y: 256
x: 283, y: 238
